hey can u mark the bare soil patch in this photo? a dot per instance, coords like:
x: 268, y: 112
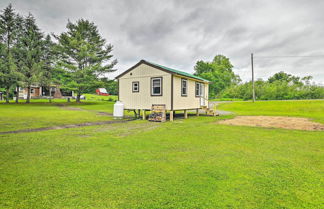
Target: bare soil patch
x: 104, y: 113
x: 275, y: 122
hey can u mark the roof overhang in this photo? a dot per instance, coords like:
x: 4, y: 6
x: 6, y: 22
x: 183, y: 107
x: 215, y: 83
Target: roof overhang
x: 159, y: 68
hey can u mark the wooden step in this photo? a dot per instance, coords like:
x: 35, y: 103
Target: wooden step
x: 209, y: 111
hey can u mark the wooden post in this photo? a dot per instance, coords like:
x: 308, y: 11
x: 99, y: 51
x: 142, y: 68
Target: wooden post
x: 197, y: 112
x: 185, y: 114
x: 253, y: 88
x: 171, y: 115
x: 143, y: 115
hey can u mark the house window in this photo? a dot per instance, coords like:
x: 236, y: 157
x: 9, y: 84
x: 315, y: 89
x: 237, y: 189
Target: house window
x: 198, y: 89
x: 184, y: 86
x: 32, y: 91
x: 156, y: 86
x: 135, y: 86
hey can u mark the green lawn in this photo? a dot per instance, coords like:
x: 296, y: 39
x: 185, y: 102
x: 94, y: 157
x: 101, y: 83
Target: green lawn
x: 193, y: 163
x: 303, y: 108
x: 39, y: 114
x: 94, y: 97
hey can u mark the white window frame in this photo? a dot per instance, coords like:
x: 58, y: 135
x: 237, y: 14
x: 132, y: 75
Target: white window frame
x: 152, y: 86
x: 133, y: 86
x: 198, y: 84
x: 184, y: 87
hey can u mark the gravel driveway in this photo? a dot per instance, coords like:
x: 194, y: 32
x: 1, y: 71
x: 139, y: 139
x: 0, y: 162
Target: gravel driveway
x: 220, y: 112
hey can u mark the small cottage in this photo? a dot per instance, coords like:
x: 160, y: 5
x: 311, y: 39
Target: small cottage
x: 40, y: 92
x: 146, y: 84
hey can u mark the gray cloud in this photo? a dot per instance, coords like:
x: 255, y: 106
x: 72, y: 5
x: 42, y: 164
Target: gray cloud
x: 179, y: 33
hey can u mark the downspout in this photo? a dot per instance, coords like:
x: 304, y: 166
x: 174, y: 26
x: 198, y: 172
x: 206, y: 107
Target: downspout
x: 118, y: 89
x: 171, y: 92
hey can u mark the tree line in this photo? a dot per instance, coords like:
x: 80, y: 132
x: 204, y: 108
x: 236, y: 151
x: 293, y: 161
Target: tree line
x: 77, y: 59
x: 280, y: 86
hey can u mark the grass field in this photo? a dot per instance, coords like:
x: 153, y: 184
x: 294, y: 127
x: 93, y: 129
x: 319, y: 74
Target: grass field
x: 304, y: 108
x: 40, y: 113
x: 37, y: 115
x: 193, y: 163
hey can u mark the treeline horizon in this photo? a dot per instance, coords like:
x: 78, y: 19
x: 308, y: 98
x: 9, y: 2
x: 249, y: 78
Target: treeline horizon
x: 225, y: 84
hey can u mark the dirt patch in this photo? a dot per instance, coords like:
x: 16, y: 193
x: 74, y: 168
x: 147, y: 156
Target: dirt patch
x: 104, y: 113
x: 275, y: 122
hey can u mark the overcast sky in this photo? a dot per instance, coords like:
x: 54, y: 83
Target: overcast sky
x: 179, y: 33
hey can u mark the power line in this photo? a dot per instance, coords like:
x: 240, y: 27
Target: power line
x: 290, y: 56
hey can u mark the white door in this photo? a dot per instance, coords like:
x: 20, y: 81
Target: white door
x: 202, y: 95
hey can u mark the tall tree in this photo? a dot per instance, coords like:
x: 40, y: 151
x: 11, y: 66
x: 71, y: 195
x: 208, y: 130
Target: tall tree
x: 219, y: 72
x: 47, y: 72
x: 31, y: 49
x: 282, y: 76
x: 85, y: 55
x: 16, y: 54
x: 8, y: 35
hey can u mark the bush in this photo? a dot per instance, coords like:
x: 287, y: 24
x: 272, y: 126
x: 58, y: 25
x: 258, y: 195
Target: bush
x: 278, y: 90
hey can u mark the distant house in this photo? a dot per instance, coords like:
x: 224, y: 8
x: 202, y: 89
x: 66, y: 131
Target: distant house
x: 146, y: 84
x: 102, y: 92
x: 38, y: 92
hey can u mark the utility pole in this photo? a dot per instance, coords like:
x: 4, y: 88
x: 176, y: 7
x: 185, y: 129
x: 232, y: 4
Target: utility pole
x: 253, y: 90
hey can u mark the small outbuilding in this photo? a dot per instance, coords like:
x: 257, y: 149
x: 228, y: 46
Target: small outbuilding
x: 102, y: 92
x: 147, y: 84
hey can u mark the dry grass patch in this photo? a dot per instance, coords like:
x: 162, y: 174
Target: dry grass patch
x: 275, y: 122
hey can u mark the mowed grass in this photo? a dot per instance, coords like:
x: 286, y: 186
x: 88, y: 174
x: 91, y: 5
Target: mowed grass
x: 193, y: 163
x: 95, y: 97
x: 299, y: 108
x: 41, y: 114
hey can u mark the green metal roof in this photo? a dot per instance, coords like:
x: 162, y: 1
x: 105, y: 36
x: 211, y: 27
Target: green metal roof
x: 178, y: 72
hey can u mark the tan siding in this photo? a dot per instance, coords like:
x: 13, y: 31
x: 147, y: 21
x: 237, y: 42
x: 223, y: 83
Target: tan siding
x: 143, y: 99
x: 185, y: 102
x: 190, y: 101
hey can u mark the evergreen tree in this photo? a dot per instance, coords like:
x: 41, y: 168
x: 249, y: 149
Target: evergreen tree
x: 84, y: 55
x: 110, y: 85
x: 8, y: 35
x: 47, y: 72
x: 31, y: 49
x: 17, y: 56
